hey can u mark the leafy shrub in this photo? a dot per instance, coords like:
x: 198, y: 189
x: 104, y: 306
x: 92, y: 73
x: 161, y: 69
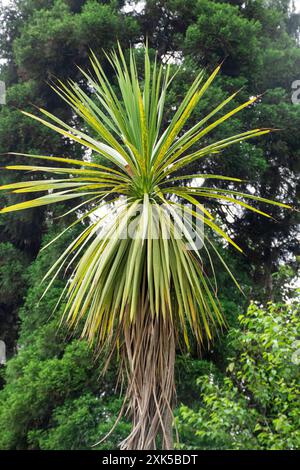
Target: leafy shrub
x: 255, y: 405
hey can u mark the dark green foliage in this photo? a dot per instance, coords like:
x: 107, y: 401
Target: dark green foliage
x: 60, y: 33
x: 80, y: 423
x: 12, y: 280
x: 13, y: 264
x: 41, y: 391
x: 52, y: 377
x: 221, y: 32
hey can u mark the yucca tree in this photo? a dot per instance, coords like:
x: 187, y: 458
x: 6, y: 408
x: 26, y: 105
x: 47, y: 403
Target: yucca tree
x: 142, y: 294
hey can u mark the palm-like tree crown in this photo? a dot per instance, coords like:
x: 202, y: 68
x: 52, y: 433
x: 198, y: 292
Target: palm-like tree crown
x: 111, y: 272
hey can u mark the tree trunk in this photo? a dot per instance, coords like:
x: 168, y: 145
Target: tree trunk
x: 149, y: 355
